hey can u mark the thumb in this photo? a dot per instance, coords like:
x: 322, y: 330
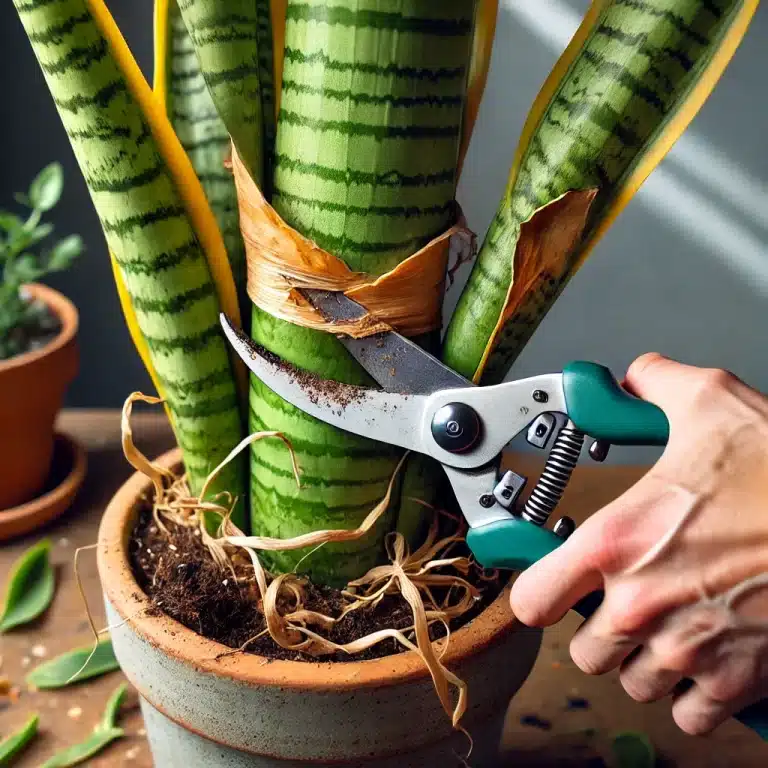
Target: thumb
x: 662, y: 381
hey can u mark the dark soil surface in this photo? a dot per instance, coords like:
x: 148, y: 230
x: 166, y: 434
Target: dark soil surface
x: 184, y: 582
x: 35, y: 329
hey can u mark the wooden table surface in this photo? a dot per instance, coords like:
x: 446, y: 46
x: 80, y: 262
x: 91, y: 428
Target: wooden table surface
x: 560, y: 736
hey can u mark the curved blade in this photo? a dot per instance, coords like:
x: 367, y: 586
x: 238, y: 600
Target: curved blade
x: 387, y: 417
x: 393, y: 361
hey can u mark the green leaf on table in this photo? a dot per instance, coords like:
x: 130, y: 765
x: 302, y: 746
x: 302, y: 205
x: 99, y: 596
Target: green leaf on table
x: 46, y: 188
x: 632, y: 749
x: 68, y: 669
x: 105, y: 732
x: 30, y: 587
x: 11, y: 746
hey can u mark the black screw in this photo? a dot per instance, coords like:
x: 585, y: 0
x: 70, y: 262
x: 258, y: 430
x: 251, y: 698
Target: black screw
x: 453, y: 428
x: 598, y: 451
x: 540, y: 396
x: 487, y: 500
x: 564, y: 527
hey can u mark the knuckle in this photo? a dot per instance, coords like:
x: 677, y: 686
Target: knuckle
x: 626, y: 621
x: 712, y: 383
x: 681, y: 660
x: 645, y: 363
x: 675, y: 657
x: 610, y: 538
x: 627, y: 609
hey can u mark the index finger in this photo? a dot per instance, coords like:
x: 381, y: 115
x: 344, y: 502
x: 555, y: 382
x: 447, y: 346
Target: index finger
x: 547, y: 590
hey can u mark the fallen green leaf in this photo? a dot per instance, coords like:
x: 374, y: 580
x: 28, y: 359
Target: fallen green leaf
x: 30, y: 587
x: 11, y: 746
x: 633, y: 749
x: 59, y: 671
x: 103, y: 734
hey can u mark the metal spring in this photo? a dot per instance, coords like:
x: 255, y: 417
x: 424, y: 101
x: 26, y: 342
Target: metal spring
x: 557, y: 472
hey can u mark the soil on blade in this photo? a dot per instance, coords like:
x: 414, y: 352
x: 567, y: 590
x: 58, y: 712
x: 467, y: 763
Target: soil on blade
x: 182, y: 580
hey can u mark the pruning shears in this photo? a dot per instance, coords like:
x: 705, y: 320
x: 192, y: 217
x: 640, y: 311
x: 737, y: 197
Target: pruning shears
x: 426, y: 407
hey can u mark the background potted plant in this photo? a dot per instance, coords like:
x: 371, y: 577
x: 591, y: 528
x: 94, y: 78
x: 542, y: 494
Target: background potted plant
x: 38, y: 356
x: 352, y: 118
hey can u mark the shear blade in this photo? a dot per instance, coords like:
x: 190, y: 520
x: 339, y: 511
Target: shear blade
x: 395, y: 363
x: 387, y: 417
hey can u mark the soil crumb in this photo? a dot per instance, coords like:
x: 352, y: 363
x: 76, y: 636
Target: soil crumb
x: 182, y: 580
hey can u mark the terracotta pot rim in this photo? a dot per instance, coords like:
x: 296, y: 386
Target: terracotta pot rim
x: 68, y: 315
x: 176, y: 640
x: 25, y: 518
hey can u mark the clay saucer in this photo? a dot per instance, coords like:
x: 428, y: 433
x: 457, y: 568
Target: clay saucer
x: 64, y: 480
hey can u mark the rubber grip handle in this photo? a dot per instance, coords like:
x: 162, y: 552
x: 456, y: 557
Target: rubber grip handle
x: 600, y: 408
x: 515, y: 544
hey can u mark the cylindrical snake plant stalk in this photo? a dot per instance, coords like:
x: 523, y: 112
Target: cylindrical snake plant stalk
x: 629, y: 83
x: 365, y: 165
x: 182, y: 90
x: 170, y: 260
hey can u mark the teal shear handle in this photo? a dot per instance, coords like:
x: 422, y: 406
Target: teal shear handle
x: 599, y: 407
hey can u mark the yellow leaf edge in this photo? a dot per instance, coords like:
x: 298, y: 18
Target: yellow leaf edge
x: 188, y: 185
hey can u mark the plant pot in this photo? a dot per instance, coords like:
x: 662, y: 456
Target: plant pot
x: 32, y: 387
x: 246, y: 711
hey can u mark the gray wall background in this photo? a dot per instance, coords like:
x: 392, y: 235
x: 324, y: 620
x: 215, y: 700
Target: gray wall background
x: 682, y: 271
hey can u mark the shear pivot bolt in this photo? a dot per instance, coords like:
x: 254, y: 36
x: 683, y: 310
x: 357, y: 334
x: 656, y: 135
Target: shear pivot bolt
x: 456, y: 427
x: 487, y: 500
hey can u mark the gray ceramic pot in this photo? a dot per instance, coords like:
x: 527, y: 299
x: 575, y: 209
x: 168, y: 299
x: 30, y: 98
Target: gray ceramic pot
x: 245, y: 711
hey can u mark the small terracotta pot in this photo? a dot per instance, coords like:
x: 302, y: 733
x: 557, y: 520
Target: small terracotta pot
x: 246, y: 711
x: 32, y: 387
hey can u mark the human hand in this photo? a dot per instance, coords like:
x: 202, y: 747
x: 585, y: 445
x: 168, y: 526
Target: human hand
x: 682, y: 556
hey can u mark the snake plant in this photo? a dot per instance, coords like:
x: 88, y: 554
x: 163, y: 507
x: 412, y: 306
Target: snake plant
x: 631, y: 80
x: 353, y: 117
x: 167, y: 249
x: 365, y: 165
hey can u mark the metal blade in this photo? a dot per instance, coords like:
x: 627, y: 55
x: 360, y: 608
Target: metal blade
x: 387, y: 417
x: 394, y: 362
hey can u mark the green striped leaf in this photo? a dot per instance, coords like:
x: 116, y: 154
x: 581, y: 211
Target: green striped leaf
x: 234, y: 52
x: 630, y: 82
x: 368, y: 134
x: 124, y: 149
x: 180, y: 86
